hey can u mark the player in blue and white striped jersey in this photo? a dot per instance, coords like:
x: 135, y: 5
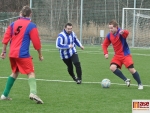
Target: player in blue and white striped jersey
x: 66, y: 43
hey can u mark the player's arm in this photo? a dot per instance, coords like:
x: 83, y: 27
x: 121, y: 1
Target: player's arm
x: 3, y: 54
x: 6, y: 39
x: 60, y: 45
x: 105, y: 45
x: 40, y: 55
x: 34, y: 35
x: 77, y: 42
x: 7, y: 35
x: 124, y: 33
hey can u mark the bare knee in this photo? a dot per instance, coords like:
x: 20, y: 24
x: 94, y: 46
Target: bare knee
x: 132, y: 70
x: 113, y: 67
x: 31, y: 75
x: 15, y: 75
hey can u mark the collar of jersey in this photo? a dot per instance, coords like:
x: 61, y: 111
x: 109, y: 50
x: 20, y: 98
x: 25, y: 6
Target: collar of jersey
x: 117, y: 32
x: 25, y: 18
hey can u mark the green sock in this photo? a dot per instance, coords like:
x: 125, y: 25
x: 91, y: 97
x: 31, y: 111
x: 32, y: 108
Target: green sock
x: 9, y: 84
x: 32, y: 85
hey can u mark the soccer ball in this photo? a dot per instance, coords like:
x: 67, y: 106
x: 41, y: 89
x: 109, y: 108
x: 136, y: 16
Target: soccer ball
x: 105, y: 83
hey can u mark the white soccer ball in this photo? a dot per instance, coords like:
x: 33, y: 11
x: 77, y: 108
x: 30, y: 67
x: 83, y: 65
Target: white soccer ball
x: 105, y: 83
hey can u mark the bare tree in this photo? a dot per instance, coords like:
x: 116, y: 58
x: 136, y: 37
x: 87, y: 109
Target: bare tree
x: 12, y: 5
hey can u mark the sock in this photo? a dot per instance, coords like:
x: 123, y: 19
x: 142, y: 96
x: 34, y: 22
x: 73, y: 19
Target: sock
x: 137, y: 77
x: 120, y: 74
x: 32, y: 85
x: 9, y: 84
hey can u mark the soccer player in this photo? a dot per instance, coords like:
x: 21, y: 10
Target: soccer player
x: 117, y: 37
x: 19, y: 33
x: 66, y: 42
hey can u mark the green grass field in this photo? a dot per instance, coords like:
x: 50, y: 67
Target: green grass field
x: 62, y: 95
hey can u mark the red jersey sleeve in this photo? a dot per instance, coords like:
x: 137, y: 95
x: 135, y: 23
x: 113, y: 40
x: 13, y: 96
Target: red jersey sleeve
x: 125, y: 34
x: 7, y: 36
x: 34, y: 35
x: 105, y: 45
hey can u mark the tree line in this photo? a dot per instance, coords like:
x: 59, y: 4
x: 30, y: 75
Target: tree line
x: 12, y: 5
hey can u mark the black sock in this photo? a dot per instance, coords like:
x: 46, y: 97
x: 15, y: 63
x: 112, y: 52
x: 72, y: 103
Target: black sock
x: 137, y: 77
x: 120, y: 74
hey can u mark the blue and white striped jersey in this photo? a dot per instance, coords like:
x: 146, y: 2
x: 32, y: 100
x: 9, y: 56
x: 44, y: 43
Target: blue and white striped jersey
x: 63, y: 41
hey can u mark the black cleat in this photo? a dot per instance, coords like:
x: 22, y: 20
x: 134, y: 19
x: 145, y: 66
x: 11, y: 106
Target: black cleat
x: 78, y: 81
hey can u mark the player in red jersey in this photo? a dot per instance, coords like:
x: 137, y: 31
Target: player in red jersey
x: 117, y: 37
x: 19, y: 34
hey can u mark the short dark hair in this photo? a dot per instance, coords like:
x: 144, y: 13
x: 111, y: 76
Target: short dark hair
x: 26, y: 11
x: 68, y: 24
x: 114, y: 23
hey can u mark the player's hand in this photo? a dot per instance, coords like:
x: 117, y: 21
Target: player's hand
x: 121, y: 32
x: 41, y: 58
x: 82, y: 47
x: 106, y: 56
x: 70, y: 46
x: 3, y: 55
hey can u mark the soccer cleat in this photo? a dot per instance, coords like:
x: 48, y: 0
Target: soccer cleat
x: 35, y: 98
x: 5, y: 98
x: 128, y: 82
x: 78, y: 81
x: 140, y: 86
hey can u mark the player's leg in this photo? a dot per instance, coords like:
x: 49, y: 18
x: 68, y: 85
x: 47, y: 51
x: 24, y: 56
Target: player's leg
x: 136, y: 76
x: 77, y: 65
x: 25, y: 66
x: 33, y: 88
x: 128, y: 62
x: 11, y: 79
x: 116, y: 63
x: 69, y: 65
x: 115, y: 69
x: 32, y: 83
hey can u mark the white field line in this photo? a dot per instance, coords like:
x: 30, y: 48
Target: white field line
x: 92, y: 52
x: 95, y: 46
x: 46, y: 80
x: 98, y: 51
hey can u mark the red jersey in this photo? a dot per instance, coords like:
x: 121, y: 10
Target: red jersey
x: 118, y: 42
x: 19, y: 34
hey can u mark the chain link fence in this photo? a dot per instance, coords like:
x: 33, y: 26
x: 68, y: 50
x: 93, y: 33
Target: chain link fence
x: 51, y: 16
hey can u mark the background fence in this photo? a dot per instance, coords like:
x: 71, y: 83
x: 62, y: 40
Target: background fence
x: 51, y: 16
